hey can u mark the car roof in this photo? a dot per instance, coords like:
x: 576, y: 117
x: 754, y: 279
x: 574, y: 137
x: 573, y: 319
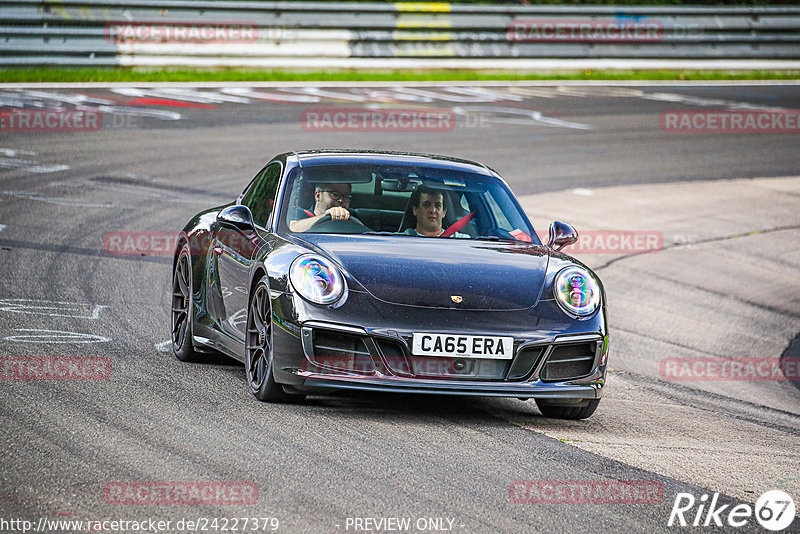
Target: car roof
x: 343, y: 157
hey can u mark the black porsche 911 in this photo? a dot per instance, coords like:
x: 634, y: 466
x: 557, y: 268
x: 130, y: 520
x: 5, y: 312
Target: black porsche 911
x: 390, y: 272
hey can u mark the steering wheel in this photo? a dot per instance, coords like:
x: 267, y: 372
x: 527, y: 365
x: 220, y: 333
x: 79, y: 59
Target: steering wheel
x: 326, y: 225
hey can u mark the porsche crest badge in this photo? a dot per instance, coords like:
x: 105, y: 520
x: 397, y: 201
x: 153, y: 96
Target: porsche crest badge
x: 456, y: 298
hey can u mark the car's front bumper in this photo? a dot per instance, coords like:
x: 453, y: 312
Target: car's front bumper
x: 542, y: 336
x: 394, y: 384
x: 308, y: 373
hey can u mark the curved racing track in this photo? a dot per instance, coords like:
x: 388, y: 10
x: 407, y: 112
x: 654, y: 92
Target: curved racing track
x: 721, y: 283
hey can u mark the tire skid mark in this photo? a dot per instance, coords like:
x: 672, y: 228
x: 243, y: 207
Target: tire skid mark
x: 30, y: 195
x: 9, y: 244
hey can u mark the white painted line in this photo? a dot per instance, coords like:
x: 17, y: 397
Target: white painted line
x: 184, y: 94
x: 75, y: 100
x: 12, y: 153
x: 583, y: 192
x: 136, y: 111
x: 2, y: 227
x: 521, y: 116
x: 164, y: 346
x: 52, y: 308
x: 30, y: 165
x: 314, y: 91
x: 9, y: 159
x: 38, y: 335
x: 272, y: 97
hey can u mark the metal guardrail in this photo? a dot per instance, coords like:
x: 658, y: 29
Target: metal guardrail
x: 168, y: 32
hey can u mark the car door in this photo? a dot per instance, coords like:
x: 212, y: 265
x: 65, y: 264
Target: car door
x: 236, y: 249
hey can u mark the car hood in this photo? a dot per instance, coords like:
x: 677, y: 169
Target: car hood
x: 486, y: 275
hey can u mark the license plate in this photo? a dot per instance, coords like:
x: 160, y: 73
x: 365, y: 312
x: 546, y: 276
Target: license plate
x: 455, y: 346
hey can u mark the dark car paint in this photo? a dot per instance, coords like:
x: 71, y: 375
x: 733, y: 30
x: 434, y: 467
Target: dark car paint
x: 488, y: 275
x: 385, y: 303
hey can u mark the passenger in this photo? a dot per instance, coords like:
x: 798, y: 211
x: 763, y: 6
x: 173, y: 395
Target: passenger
x: 428, y: 206
x: 331, y: 199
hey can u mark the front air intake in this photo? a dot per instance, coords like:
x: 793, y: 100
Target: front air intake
x: 569, y: 361
x: 342, y: 352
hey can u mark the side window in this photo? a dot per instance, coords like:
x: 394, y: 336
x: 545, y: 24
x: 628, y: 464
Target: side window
x: 261, y: 196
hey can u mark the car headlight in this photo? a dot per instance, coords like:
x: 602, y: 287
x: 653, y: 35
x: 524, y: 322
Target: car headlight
x: 317, y: 279
x: 576, y: 291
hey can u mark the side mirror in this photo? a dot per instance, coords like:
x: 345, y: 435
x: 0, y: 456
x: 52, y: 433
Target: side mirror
x: 237, y: 216
x: 561, y: 235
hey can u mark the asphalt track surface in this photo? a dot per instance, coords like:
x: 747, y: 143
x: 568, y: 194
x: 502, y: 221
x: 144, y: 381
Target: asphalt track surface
x: 319, y: 464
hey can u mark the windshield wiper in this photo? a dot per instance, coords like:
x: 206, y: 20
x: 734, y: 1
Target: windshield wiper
x: 488, y: 237
x: 374, y: 232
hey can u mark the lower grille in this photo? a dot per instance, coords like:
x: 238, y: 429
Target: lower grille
x: 461, y: 368
x: 340, y: 351
x: 440, y: 367
x: 351, y: 352
x: 569, y: 361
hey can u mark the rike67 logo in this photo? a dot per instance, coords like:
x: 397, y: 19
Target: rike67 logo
x: 774, y: 510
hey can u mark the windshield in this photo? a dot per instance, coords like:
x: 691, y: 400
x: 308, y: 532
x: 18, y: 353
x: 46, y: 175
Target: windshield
x: 404, y: 200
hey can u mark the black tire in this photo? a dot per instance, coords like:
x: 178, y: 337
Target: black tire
x: 258, y: 348
x: 182, y: 346
x: 578, y: 411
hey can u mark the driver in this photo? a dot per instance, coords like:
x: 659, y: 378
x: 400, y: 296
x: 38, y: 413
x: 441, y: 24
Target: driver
x: 331, y: 199
x: 428, y: 207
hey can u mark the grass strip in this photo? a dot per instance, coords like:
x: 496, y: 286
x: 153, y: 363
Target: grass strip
x: 34, y: 75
